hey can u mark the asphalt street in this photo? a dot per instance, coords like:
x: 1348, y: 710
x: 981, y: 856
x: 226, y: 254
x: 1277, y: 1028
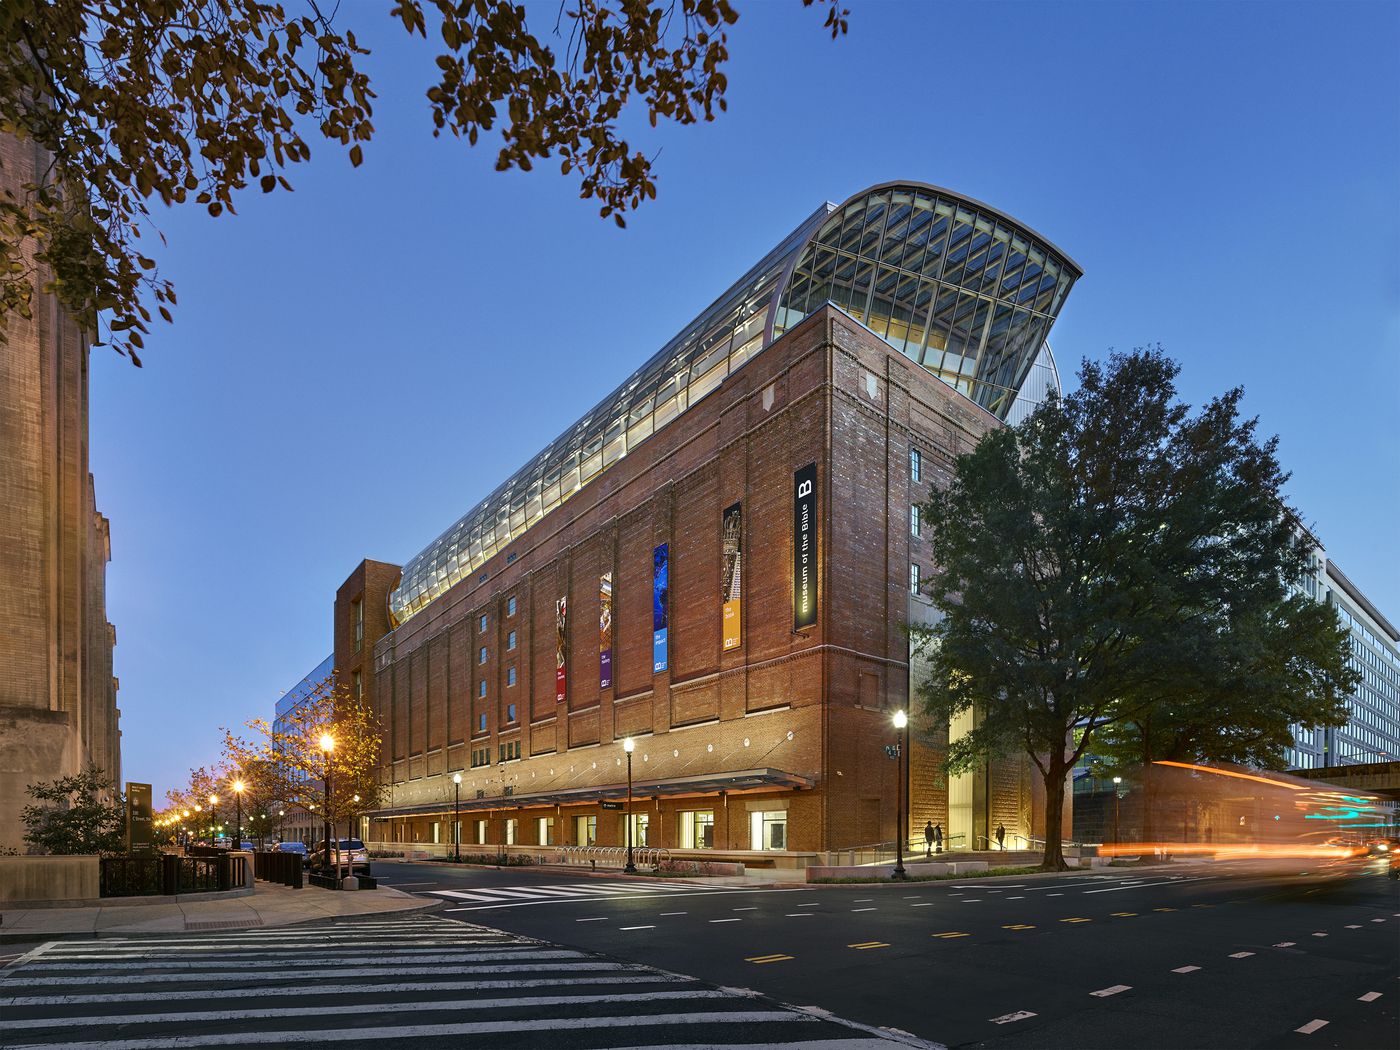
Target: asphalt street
x: 1258, y: 954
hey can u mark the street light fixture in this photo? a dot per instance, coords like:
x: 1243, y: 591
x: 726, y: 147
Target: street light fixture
x: 901, y: 723
x: 281, y: 822
x: 629, y: 745
x: 213, y: 815
x: 1117, y: 794
x: 327, y: 746
x: 457, y: 817
x: 238, y: 811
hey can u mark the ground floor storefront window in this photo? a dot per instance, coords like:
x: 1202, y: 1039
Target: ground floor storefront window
x: 768, y: 829
x: 585, y: 831
x: 546, y: 831
x: 698, y: 829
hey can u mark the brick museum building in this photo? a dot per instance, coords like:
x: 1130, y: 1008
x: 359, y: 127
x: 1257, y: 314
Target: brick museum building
x: 718, y: 561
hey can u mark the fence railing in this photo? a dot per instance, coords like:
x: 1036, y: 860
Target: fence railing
x: 167, y: 875
x: 285, y: 868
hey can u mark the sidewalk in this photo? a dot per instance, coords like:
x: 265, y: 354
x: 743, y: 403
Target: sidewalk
x: 269, y: 905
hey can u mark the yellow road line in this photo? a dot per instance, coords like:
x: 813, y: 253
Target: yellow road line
x: 868, y: 944
x: 1018, y: 926
x: 1164, y: 909
x: 768, y: 958
x: 945, y: 936
x: 1125, y: 914
x: 1076, y: 920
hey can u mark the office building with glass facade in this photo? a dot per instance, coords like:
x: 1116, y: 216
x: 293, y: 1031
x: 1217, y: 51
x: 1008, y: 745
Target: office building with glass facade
x: 717, y: 561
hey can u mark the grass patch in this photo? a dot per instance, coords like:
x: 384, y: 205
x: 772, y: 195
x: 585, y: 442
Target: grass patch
x: 990, y: 872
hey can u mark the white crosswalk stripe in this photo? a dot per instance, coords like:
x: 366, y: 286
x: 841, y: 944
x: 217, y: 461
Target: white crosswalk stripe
x: 412, y: 980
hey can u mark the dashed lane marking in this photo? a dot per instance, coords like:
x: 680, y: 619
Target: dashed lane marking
x: 1311, y: 1027
x: 712, y: 921
x: 1319, y: 935
x: 1354, y: 927
x: 1019, y: 1015
x: 811, y: 904
x: 1018, y: 926
x: 950, y: 935
x: 864, y: 909
x: 665, y: 913
x: 1240, y: 955
x: 761, y: 959
x: 1076, y: 920
x: 864, y: 945
x: 799, y: 914
x: 1369, y: 997
x: 1378, y: 920
x: 1018, y: 898
x: 1285, y: 944
x: 743, y: 909
x: 926, y: 904
x: 1054, y: 895
x: 1186, y: 969
x: 596, y: 918
x: 1124, y: 914
x: 636, y: 928
x: 1113, y: 989
x: 972, y: 900
x: 1164, y: 909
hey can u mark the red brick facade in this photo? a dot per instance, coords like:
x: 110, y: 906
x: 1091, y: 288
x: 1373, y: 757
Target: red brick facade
x: 811, y: 706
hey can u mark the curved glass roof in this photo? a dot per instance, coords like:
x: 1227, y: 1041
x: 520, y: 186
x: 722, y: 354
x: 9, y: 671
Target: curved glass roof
x: 949, y: 282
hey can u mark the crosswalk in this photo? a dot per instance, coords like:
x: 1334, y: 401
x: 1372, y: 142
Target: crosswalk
x: 363, y: 983
x: 483, y: 898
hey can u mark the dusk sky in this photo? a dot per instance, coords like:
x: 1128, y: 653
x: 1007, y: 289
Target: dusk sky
x: 355, y: 364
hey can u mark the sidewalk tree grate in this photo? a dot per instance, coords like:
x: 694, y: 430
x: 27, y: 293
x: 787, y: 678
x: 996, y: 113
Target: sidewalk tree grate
x: 223, y: 924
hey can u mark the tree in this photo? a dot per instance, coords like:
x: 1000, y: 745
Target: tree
x: 1112, y: 561
x: 189, y: 100
x: 295, y: 766
x: 78, y: 814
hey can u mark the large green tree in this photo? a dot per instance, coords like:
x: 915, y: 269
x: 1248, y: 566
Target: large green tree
x: 1117, y: 560
x: 190, y: 100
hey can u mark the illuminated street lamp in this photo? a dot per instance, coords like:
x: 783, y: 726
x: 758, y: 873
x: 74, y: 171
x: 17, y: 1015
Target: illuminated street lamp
x: 213, y: 814
x: 327, y: 746
x: 1117, y: 794
x: 901, y: 723
x: 629, y: 745
x: 457, y: 817
x: 281, y: 825
x: 238, y: 813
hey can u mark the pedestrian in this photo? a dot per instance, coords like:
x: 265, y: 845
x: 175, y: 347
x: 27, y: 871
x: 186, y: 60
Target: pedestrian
x: 928, y: 839
x: 1001, y: 836
x: 938, y: 838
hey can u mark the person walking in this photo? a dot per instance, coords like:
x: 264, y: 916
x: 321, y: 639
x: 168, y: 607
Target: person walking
x: 938, y: 838
x: 928, y: 839
x: 1001, y: 836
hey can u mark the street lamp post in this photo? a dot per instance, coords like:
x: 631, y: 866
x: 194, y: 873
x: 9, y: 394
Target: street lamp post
x: 238, y: 813
x: 213, y: 819
x: 281, y: 825
x: 901, y: 723
x: 1116, y: 797
x: 327, y: 746
x: 629, y: 745
x: 457, y: 817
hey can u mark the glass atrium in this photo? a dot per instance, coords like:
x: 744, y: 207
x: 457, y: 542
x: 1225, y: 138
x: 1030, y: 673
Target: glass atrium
x: 952, y: 284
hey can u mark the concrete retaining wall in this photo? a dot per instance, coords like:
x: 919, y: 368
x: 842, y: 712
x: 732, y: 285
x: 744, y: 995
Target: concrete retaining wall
x: 25, y: 879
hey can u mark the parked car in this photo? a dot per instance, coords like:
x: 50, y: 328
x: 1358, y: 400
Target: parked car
x: 298, y: 848
x: 343, y: 852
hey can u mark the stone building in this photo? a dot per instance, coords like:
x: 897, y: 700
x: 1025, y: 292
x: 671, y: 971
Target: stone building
x: 58, y: 709
x: 718, y: 562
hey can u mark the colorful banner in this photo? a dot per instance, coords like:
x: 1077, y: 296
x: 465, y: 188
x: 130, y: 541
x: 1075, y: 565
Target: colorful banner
x: 660, y: 606
x: 605, y: 631
x: 804, y: 547
x: 561, y: 632
x: 731, y: 572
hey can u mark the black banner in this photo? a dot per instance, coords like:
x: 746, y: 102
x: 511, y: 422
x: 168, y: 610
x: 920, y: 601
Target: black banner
x: 804, y: 547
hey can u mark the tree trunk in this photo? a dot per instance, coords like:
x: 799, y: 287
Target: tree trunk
x: 1054, y: 858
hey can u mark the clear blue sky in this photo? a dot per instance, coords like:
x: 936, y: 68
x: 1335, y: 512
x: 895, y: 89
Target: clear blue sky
x: 355, y: 364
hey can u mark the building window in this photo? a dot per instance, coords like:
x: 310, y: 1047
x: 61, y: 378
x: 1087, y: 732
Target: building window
x: 481, y: 722
x: 481, y: 756
x: 481, y: 688
x: 508, y: 752
x: 916, y: 522
x: 510, y: 640
x: 481, y: 655
x: 358, y: 609
x: 698, y: 829
x: 510, y: 605
x: 511, y: 825
x: 585, y: 831
x: 510, y: 712
x: 545, y: 831
x: 641, y: 827
x: 914, y: 579
x: 510, y: 676
x: 481, y: 832
x: 768, y: 829
x: 916, y: 465
x: 481, y: 623
x: 357, y: 685
x: 437, y: 831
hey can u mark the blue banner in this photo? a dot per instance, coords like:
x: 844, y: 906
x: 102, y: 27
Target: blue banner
x: 660, y: 607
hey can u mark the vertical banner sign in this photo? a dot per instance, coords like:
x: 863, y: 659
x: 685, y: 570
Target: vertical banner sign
x: 660, y: 606
x: 804, y: 547
x: 561, y: 632
x: 731, y: 581
x: 605, y: 631
x: 138, y: 818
